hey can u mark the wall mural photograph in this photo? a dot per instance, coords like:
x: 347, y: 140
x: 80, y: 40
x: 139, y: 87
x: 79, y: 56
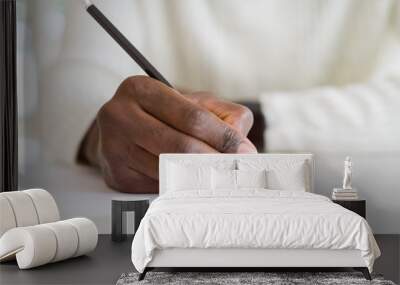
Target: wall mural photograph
x: 204, y: 142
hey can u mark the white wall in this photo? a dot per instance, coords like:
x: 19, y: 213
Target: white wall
x: 376, y: 175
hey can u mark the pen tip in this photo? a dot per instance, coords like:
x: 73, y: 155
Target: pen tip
x: 87, y: 3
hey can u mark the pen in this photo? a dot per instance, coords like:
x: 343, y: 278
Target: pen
x: 130, y: 49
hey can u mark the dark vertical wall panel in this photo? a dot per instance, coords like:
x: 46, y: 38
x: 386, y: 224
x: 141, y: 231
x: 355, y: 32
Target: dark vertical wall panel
x: 8, y: 93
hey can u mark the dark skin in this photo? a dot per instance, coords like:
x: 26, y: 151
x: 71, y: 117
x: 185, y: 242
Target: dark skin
x: 146, y: 118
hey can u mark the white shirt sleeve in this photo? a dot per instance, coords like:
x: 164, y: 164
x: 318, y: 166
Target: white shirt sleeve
x: 84, y: 75
x: 363, y: 116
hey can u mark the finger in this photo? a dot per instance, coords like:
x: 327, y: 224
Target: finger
x: 130, y: 181
x: 236, y: 115
x: 174, y: 109
x: 249, y: 142
x: 122, y: 153
x: 142, y: 161
x: 157, y: 137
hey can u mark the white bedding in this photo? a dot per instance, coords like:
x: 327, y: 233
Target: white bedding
x: 251, y: 218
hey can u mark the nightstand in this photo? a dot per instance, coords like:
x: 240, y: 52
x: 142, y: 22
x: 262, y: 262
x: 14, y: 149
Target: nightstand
x: 122, y: 205
x: 357, y: 206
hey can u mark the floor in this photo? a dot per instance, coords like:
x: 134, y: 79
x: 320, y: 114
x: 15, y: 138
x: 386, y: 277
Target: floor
x: 110, y: 260
x: 103, y: 266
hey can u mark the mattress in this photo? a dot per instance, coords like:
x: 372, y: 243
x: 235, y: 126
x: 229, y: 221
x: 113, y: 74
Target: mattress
x: 251, y: 219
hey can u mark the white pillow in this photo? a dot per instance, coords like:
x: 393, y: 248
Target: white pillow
x: 281, y: 174
x: 223, y: 179
x: 188, y: 177
x: 251, y: 178
x: 293, y: 178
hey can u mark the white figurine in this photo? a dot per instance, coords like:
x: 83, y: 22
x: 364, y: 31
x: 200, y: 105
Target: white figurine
x: 347, y: 174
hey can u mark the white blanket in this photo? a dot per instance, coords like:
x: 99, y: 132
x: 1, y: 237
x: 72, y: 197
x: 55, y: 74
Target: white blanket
x: 252, y: 218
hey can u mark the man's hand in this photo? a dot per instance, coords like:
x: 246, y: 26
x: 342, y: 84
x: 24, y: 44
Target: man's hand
x: 146, y: 118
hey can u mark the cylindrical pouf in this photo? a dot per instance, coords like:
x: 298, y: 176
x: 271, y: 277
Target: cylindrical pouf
x: 45, y: 205
x: 33, y: 246
x: 23, y: 208
x: 7, y: 218
x: 67, y: 239
x: 87, y: 233
x: 41, y: 244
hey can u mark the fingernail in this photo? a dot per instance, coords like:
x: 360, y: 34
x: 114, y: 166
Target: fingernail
x: 246, y: 148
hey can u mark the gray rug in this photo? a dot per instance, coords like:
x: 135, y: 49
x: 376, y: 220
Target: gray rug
x: 231, y: 278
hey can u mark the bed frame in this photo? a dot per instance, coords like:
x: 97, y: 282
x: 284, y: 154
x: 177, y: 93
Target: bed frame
x: 245, y: 259
x: 257, y: 259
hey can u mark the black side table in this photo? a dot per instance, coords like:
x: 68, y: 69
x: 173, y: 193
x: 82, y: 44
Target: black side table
x: 357, y: 206
x: 118, y: 224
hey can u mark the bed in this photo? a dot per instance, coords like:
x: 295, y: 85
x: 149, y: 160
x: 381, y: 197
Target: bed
x: 242, y: 211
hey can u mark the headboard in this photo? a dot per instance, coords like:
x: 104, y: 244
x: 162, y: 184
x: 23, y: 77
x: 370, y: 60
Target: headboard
x: 215, y: 159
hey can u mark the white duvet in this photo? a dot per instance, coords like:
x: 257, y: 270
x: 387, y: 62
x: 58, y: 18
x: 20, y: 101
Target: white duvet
x: 252, y: 218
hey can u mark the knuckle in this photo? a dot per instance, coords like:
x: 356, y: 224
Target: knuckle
x: 195, y: 118
x: 245, y: 112
x: 138, y: 84
x: 230, y: 140
x: 106, y: 112
x: 135, y: 80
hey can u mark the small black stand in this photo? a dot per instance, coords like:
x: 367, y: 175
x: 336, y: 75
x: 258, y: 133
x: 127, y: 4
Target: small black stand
x: 357, y: 206
x: 119, y: 206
